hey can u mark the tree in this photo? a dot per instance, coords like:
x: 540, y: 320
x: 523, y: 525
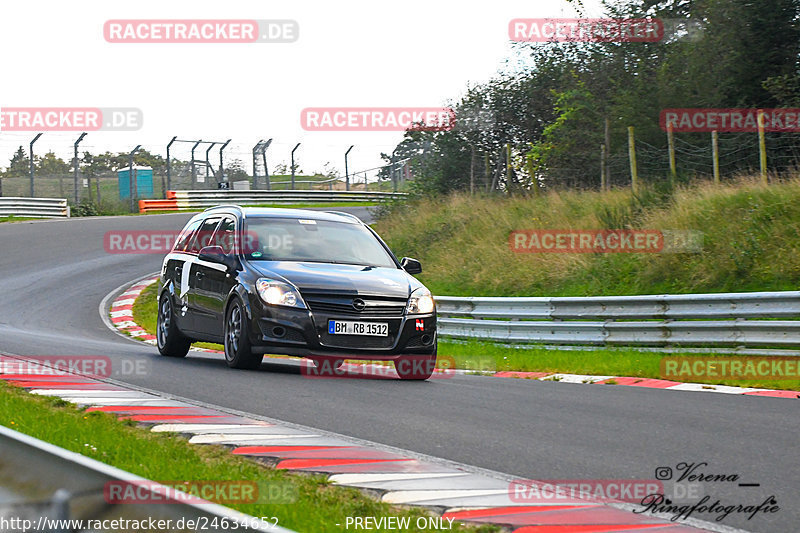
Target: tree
x: 19, y: 165
x: 51, y: 165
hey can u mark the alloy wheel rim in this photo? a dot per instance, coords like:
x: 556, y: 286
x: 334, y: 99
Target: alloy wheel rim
x: 165, y: 317
x: 234, y: 329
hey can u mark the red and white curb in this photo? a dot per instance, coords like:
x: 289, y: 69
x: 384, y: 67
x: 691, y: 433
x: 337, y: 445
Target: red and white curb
x: 459, y: 493
x: 121, y: 311
x: 121, y: 315
x: 651, y: 383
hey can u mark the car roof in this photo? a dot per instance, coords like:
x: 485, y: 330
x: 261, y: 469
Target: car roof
x: 282, y: 212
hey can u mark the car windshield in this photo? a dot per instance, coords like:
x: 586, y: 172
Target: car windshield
x: 320, y: 241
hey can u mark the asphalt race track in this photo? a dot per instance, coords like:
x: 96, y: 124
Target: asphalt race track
x: 54, y: 274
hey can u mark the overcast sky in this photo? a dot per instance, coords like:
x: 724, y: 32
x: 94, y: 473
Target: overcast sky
x: 349, y: 53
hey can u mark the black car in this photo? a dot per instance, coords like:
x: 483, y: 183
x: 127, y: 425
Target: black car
x: 321, y: 285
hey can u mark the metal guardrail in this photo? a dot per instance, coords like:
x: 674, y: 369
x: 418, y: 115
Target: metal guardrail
x: 33, y: 207
x: 181, y: 200
x: 74, y: 485
x: 729, y: 319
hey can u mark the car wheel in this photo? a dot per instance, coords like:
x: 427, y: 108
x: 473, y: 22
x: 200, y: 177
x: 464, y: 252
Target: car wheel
x: 170, y: 341
x: 415, y: 367
x: 238, y: 353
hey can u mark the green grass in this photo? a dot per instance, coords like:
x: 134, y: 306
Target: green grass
x: 487, y: 357
x: 169, y: 457
x: 12, y: 218
x: 751, y: 241
x: 604, y: 362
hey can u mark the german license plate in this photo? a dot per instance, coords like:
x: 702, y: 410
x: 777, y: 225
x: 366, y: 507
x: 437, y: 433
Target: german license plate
x: 346, y: 327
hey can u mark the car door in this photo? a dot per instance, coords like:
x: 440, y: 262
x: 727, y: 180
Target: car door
x: 214, y: 282
x: 194, y: 271
x: 174, y: 266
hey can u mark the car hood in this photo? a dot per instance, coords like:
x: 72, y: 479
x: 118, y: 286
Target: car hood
x: 353, y: 279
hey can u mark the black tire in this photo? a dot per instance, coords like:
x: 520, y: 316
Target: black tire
x: 415, y: 367
x: 171, y: 342
x: 238, y: 352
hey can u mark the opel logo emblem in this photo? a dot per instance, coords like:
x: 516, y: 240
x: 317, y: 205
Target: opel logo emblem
x: 359, y: 304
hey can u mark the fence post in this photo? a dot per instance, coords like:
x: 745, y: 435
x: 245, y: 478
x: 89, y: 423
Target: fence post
x: 77, y: 167
x: 607, y: 144
x: 762, y: 147
x: 508, y: 167
x: 472, y: 170
x: 632, y: 157
x: 673, y: 167
x: 33, y: 192
x: 534, y: 179
x: 603, y: 157
x: 486, y: 170
x: 532, y: 171
x: 715, y: 152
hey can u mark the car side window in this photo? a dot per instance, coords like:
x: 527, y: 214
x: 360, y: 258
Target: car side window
x: 203, y: 236
x: 225, y: 234
x: 185, y: 236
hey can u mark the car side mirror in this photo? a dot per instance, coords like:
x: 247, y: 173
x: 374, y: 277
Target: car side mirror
x: 411, y: 265
x: 215, y: 254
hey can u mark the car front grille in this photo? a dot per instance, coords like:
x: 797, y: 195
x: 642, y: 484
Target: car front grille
x: 342, y: 304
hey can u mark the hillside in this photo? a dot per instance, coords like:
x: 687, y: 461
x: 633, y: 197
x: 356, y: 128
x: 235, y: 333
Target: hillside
x: 750, y: 241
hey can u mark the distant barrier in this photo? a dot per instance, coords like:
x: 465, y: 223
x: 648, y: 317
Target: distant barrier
x: 730, y: 319
x: 33, y: 207
x: 186, y: 200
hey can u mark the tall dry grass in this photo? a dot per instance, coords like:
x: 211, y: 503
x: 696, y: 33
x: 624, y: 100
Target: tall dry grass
x: 750, y: 241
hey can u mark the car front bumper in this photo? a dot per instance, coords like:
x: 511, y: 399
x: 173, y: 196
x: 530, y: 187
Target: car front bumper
x: 304, y: 333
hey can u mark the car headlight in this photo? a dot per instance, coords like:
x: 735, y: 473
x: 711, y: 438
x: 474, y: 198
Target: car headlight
x: 420, y: 302
x: 279, y: 293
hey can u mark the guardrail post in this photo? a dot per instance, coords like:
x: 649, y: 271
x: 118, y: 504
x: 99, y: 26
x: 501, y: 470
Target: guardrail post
x: 59, y: 509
